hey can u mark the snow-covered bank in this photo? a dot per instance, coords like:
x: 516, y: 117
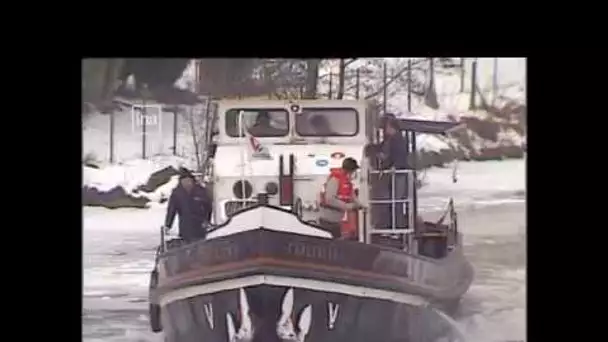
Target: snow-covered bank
x: 130, y: 184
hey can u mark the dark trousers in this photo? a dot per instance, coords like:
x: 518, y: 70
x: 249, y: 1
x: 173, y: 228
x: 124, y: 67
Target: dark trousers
x: 331, y: 227
x: 192, y: 231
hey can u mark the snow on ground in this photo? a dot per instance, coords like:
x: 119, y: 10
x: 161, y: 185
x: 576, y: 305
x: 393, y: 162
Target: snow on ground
x: 129, y: 170
x: 128, y: 136
x: 129, y: 174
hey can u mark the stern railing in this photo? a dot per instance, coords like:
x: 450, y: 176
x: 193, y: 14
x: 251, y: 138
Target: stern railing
x: 394, y: 200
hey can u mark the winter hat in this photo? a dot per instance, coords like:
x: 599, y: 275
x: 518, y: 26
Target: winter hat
x: 185, y: 173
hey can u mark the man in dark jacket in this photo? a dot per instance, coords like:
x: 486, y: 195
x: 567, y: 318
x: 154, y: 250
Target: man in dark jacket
x: 394, y: 150
x: 394, y: 155
x: 193, y: 205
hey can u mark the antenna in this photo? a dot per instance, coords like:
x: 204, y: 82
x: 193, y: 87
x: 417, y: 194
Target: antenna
x: 242, y: 152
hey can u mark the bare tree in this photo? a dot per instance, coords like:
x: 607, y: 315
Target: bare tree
x: 398, y: 76
x: 200, y: 121
x: 225, y: 77
x: 196, y: 139
x: 99, y: 77
x: 312, y: 78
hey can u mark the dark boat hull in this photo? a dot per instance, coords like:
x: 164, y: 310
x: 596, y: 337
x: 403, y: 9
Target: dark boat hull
x: 333, y: 317
x: 294, y: 283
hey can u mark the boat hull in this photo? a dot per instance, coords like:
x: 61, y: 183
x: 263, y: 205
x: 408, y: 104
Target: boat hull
x: 315, y: 315
x: 247, y: 282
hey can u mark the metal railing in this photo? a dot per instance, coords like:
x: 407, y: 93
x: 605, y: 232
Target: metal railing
x: 229, y: 207
x: 394, y: 200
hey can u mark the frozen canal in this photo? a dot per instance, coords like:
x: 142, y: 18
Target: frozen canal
x: 118, y: 248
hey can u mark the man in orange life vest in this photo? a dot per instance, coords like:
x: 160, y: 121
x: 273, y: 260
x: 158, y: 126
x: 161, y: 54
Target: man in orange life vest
x: 339, y: 204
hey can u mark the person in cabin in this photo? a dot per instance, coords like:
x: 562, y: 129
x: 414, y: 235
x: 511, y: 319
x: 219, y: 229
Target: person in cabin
x: 394, y: 154
x: 193, y: 204
x: 321, y: 126
x: 263, y: 128
x: 339, y: 203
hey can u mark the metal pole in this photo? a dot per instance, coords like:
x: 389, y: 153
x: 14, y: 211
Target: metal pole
x: 242, y: 150
x: 410, y: 194
x: 112, y: 124
x: 357, y: 80
x: 143, y: 123
x: 384, y: 92
x: 472, y: 104
x: 495, y: 80
x: 414, y: 210
x: 393, y: 199
x: 330, y: 85
x: 409, y: 86
x: 462, y: 73
x: 208, y: 123
x: 197, y: 78
x: 163, y: 242
x: 175, y: 109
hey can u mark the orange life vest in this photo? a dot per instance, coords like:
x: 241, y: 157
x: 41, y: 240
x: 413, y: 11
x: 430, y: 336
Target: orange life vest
x: 349, y: 225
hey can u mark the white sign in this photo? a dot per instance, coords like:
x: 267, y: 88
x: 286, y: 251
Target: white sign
x: 332, y: 314
x: 149, y: 115
x: 208, y: 307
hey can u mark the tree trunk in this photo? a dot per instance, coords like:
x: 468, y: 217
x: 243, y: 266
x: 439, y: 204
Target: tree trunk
x: 430, y: 98
x: 312, y: 76
x: 472, y: 102
x: 342, y: 72
x: 113, y: 68
x: 99, y: 79
x: 224, y: 77
x: 93, y: 73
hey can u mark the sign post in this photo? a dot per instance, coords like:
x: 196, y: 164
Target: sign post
x: 144, y: 116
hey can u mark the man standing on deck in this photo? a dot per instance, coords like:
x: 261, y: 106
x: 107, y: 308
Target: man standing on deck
x: 338, y: 200
x: 394, y: 155
x: 192, y: 203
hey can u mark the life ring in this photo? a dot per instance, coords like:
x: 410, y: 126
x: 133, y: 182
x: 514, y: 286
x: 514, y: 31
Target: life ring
x: 338, y: 155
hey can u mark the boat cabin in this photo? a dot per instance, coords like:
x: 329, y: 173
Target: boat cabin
x: 286, y: 149
x: 283, y: 149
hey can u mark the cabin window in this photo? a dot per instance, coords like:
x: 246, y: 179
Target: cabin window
x: 327, y: 122
x: 259, y: 122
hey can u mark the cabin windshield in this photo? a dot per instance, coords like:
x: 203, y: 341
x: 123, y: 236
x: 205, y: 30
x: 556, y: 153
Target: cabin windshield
x: 327, y: 122
x: 259, y: 122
